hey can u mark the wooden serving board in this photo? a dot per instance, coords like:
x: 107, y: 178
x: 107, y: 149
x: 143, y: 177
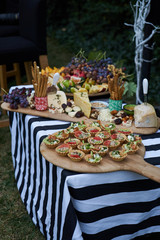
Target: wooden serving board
x: 133, y: 163
x: 65, y: 117
x: 91, y: 94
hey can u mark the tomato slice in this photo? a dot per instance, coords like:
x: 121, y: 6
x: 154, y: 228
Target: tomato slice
x: 125, y: 131
x: 97, y: 138
x: 64, y: 145
x: 50, y: 137
x: 94, y: 130
x: 133, y: 147
x: 71, y: 142
x: 107, y: 143
x: 75, y: 155
x: 106, y: 133
x: 114, y: 136
x: 77, y: 133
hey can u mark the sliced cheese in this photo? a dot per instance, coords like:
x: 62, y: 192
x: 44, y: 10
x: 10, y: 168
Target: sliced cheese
x: 145, y: 116
x: 81, y: 100
x: 56, y: 99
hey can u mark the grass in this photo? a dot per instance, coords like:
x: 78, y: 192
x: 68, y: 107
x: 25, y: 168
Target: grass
x: 15, y: 223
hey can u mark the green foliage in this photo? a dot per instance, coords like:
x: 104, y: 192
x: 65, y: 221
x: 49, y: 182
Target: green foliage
x: 94, y: 26
x: 130, y: 89
x: 98, y: 26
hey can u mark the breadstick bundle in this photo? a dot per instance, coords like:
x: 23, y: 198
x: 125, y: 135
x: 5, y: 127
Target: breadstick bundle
x: 115, y: 86
x: 39, y: 81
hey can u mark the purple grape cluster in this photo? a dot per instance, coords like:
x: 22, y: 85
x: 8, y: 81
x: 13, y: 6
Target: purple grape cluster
x: 95, y: 69
x: 18, y: 96
x: 98, y: 70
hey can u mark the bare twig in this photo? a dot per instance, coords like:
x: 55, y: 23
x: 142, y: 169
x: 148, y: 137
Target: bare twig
x: 140, y: 11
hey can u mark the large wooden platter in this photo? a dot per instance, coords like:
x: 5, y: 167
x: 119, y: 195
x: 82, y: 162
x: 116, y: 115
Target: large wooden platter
x: 91, y: 94
x: 65, y: 117
x: 133, y: 163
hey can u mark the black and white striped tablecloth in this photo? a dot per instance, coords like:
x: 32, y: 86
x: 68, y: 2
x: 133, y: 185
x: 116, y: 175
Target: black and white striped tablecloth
x: 73, y: 206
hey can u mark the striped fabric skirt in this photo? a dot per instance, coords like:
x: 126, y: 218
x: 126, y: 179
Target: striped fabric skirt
x: 74, y: 206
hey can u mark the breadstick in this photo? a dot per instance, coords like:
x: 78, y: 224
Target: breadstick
x: 122, y: 90
x: 35, y: 88
x: 39, y: 81
x: 39, y: 85
x: 42, y: 86
x: 116, y: 85
x: 35, y: 71
x: 32, y: 70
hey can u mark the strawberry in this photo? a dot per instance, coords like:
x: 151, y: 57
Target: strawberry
x: 82, y: 75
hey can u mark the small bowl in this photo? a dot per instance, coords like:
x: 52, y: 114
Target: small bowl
x: 99, y: 104
x: 129, y: 109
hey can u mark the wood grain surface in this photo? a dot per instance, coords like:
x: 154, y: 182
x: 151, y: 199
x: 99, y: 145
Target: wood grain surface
x: 91, y: 94
x: 134, y: 163
x: 65, y: 117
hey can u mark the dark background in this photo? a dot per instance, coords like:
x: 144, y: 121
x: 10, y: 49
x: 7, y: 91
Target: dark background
x: 99, y: 25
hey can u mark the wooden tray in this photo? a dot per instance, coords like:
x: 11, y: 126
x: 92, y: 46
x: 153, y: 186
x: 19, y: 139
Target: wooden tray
x: 91, y: 94
x: 65, y: 117
x: 133, y: 163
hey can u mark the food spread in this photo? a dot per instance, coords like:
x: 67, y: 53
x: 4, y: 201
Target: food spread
x: 80, y: 107
x: 80, y: 145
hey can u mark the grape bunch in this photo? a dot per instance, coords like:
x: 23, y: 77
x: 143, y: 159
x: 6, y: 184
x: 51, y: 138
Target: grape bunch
x: 97, y: 70
x: 18, y: 96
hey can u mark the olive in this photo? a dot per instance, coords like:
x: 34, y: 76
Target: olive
x: 64, y: 106
x: 69, y: 104
x: 123, y: 115
x: 118, y: 121
x: 79, y: 114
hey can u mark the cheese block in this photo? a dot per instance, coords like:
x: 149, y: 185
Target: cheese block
x: 56, y: 99
x: 81, y: 100
x: 145, y: 116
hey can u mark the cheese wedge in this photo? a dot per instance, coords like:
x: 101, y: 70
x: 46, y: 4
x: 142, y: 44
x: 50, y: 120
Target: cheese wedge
x: 81, y: 100
x: 56, y: 99
x: 145, y: 116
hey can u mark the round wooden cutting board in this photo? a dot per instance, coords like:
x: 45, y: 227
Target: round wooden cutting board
x: 133, y: 163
